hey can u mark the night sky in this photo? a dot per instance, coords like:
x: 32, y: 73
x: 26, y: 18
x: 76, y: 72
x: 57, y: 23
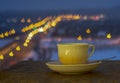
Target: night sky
x: 18, y: 5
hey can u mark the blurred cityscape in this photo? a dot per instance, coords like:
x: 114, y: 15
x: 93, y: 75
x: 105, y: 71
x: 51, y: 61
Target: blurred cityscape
x: 33, y: 36
x: 98, y: 20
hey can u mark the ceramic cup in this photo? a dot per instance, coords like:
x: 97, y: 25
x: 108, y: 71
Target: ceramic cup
x: 74, y: 53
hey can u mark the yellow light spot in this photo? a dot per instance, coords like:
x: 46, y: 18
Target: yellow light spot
x: 27, y: 41
x: 88, y: 31
x: 2, y: 36
x: 23, y: 20
x: 1, y: 57
x: 18, y: 48
x: 11, y: 54
x: 31, y: 35
x: 6, y: 34
x: 53, y: 24
x: 25, y: 44
x: 23, y: 30
x: 76, y: 17
x: 30, y: 26
x: 41, y: 29
x: 79, y: 37
x: 28, y: 20
x: 58, y: 19
x: 13, y: 31
x: 108, y: 36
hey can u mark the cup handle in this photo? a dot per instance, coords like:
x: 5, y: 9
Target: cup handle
x: 93, y: 49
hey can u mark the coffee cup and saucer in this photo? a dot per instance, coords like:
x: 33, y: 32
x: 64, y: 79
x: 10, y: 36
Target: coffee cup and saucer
x: 73, y: 59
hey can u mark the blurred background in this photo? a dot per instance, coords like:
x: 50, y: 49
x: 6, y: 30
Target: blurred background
x: 31, y: 29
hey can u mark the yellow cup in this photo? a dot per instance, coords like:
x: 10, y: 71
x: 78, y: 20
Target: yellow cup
x: 74, y: 53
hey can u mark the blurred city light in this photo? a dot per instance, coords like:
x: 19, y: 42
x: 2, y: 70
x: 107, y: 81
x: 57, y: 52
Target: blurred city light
x: 22, y: 20
x: 11, y: 54
x: 18, y: 48
x: 28, y: 20
x: 1, y: 57
x: 41, y: 29
x: 79, y: 37
x: 108, y: 36
x: 88, y: 31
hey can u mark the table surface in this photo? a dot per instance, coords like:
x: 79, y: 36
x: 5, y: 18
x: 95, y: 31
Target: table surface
x: 38, y: 72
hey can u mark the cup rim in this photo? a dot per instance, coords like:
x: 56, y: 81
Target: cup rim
x: 70, y: 44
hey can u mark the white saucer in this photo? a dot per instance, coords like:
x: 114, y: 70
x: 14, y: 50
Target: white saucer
x: 72, y: 69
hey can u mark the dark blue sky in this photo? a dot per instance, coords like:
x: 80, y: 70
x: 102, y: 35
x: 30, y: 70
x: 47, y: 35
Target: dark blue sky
x: 6, y: 5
